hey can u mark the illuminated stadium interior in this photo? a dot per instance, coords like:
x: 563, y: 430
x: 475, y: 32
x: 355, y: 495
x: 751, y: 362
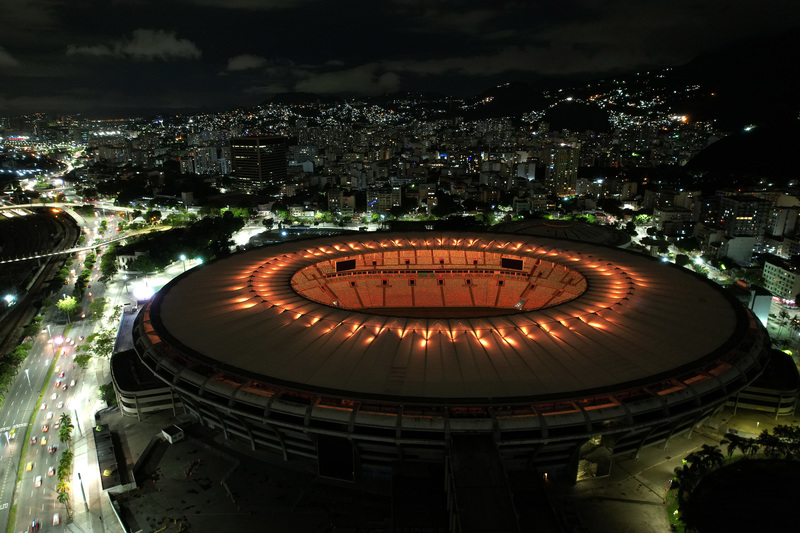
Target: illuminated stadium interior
x: 441, y: 283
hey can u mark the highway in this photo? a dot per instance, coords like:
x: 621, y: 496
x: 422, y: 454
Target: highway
x: 32, y: 407
x: 23, y: 415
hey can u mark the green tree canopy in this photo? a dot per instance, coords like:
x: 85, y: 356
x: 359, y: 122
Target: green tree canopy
x: 67, y: 305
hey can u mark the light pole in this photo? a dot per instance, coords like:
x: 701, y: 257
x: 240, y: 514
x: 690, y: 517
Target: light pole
x: 52, y: 345
x: 183, y: 260
x: 83, y: 492
x: 27, y: 375
x: 77, y: 422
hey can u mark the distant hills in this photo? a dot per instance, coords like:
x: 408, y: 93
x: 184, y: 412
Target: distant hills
x: 767, y: 151
x: 754, y: 81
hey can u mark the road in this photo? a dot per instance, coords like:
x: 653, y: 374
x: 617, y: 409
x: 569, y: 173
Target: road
x: 41, y: 374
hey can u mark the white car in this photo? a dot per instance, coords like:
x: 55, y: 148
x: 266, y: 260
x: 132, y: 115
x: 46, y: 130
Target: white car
x: 49, y: 415
x: 56, y: 519
x: 54, y: 396
x: 72, y: 383
x: 60, y: 405
x: 38, y: 482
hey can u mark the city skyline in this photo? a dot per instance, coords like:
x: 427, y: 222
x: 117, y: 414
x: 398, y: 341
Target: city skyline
x: 207, y: 54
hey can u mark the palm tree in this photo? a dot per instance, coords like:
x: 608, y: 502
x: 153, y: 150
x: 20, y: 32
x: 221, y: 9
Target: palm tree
x: 733, y: 441
x: 790, y: 438
x: 65, y: 431
x: 63, y: 497
x: 773, y: 446
x: 750, y: 447
x: 710, y: 456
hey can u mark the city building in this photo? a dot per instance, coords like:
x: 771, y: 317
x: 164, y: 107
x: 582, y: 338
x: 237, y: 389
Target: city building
x: 564, y: 174
x: 673, y: 221
x: 382, y: 200
x: 782, y: 277
x: 359, y: 353
x: 744, y: 215
x: 259, y: 161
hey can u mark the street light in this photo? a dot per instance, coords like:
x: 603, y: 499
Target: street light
x: 183, y: 259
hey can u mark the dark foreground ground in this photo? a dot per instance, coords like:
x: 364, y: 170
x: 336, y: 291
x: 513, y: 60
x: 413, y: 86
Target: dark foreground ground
x: 747, y: 495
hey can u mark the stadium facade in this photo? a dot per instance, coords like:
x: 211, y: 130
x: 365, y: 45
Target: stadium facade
x: 361, y: 352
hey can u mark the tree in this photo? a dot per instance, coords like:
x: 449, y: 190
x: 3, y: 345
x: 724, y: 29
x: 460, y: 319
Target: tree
x: 65, y: 431
x: 108, y: 265
x: 709, y: 456
x: 783, y: 320
x: 143, y: 264
x: 107, y: 394
x: 96, y: 308
x: 33, y: 328
x: 67, y: 305
x: 82, y: 359
x: 153, y: 216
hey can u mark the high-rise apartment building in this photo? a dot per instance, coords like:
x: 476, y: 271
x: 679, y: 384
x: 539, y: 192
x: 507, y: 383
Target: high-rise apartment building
x: 744, y: 215
x: 205, y: 160
x: 565, y: 169
x: 259, y: 161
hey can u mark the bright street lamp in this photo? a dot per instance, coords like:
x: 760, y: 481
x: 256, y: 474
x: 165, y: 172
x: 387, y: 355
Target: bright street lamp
x: 183, y: 259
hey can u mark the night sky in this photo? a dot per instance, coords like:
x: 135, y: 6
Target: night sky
x: 126, y: 56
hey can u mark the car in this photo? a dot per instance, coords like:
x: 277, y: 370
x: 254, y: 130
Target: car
x: 72, y: 383
x: 60, y: 405
x: 35, y: 525
x: 38, y: 481
x: 43, y: 407
x: 45, y: 428
x: 51, y: 471
x: 29, y: 466
x: 61, y: 374
x: 44, y: 441
x: 52, y: 449
x: 49, y: 415
x: 58, y: 383
x: 56, y: 425
x: 56, y: 519
x: 64, y: 387
x: 33, y: 439
x: 54, y: 396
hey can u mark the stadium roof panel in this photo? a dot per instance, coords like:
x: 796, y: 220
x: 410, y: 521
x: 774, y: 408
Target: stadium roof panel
x: 636, y: 321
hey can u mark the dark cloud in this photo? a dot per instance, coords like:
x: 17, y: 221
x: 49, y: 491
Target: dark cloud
x: 365, y: 79
x: 246, y: 62
x: 143, y: 44
x: 232, y: 52
x: 6, y: 59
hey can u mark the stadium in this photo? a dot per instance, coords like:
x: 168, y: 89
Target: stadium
x: 357, y: 353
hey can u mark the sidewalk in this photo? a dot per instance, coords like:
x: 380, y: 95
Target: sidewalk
x: 631, y: 498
